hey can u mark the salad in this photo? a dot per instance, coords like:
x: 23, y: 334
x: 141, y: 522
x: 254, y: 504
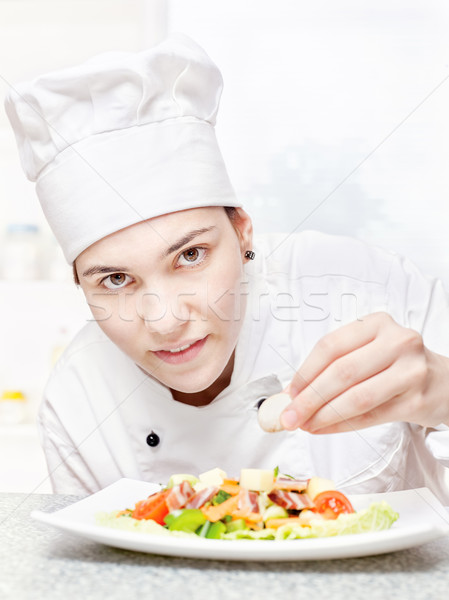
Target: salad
x: 262, y: 504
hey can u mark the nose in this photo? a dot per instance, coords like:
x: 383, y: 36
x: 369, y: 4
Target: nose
x: 165, y: 312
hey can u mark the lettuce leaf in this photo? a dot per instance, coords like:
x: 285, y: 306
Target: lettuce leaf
x: 126, y: 523
x: 378, y: 516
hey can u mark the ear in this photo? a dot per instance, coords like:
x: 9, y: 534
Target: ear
x: 244, y: 228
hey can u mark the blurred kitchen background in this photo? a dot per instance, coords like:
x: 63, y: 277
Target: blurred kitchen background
x: 334, y: 117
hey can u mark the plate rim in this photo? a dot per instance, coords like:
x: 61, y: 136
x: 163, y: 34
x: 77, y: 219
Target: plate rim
x: 328, y: 548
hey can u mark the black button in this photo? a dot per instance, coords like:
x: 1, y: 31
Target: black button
x: 260, y: 402
x: 153, y: 439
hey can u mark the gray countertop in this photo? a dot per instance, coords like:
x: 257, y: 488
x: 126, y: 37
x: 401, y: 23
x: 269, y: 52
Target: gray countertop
x: 38, y: 561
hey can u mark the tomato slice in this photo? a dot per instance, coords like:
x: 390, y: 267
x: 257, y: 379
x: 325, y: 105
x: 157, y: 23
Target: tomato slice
x: 154, y: 507
x: 331, y: 504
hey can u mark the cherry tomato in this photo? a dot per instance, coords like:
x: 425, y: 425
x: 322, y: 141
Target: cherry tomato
x: 331, y: 504
x: 154, y: 507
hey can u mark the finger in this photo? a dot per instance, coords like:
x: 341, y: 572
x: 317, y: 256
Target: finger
x: 387, y: 413
x: 330, y: 347
x: 369, y: 402
x: 340, y: 376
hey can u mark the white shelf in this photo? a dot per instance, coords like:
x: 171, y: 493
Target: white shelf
x: 37, y: 318
x: 33, y: 314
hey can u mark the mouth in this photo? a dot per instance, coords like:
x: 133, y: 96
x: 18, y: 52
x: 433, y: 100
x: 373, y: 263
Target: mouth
x: 181, y: 354
x: 181, y: 349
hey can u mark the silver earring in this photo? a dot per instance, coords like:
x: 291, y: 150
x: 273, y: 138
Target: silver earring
x: 250, y: 255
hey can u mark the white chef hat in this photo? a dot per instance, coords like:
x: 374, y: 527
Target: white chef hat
x: 122, y: 138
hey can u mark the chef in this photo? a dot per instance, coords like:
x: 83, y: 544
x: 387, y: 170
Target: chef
x: 196, y: 321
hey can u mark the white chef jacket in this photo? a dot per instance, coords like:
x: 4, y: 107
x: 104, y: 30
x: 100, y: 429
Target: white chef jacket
x: 99, y: 407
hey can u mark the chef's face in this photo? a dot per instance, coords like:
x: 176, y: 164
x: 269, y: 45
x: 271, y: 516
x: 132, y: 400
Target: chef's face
x: 170, y: 293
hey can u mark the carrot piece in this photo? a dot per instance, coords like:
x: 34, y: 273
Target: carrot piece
x: 276, y: 523
x: 254, y: 526
x: 215, y: 513
x: 252, y: 517
x: 230, y: 488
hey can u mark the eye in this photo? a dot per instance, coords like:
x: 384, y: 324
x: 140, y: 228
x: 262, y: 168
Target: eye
x: 116, y: 280
x: 192, y: 256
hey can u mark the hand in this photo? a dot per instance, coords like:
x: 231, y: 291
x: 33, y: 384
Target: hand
x: 366, y: 373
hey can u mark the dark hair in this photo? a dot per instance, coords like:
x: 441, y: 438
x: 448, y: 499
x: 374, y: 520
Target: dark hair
x: 231, y: 211
x: 75, y: 274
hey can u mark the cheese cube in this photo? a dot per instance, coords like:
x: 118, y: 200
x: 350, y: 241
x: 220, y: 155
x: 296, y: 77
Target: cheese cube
x: 213, y: 477
x: 316, y: 485
x: 257, y: 480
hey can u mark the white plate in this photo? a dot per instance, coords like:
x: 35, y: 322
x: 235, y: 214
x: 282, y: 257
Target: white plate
x: 421, y: 519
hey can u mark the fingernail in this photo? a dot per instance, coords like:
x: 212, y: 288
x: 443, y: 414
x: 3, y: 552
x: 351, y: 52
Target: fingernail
x: 289, y: 419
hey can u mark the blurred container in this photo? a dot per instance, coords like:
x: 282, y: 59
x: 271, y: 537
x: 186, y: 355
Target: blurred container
x: 54, y: 266
x: 13, y: 405
x: 20, y: 255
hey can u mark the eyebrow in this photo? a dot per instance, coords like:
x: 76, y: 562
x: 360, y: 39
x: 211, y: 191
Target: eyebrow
x: 100, y: 269
x: 187, y: 238
x: 94, y: 270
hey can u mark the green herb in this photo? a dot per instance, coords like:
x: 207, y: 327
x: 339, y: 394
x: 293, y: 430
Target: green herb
x: 220, y: 497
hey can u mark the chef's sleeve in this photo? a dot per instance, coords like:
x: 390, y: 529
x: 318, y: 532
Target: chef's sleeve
x: 422, y: 304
